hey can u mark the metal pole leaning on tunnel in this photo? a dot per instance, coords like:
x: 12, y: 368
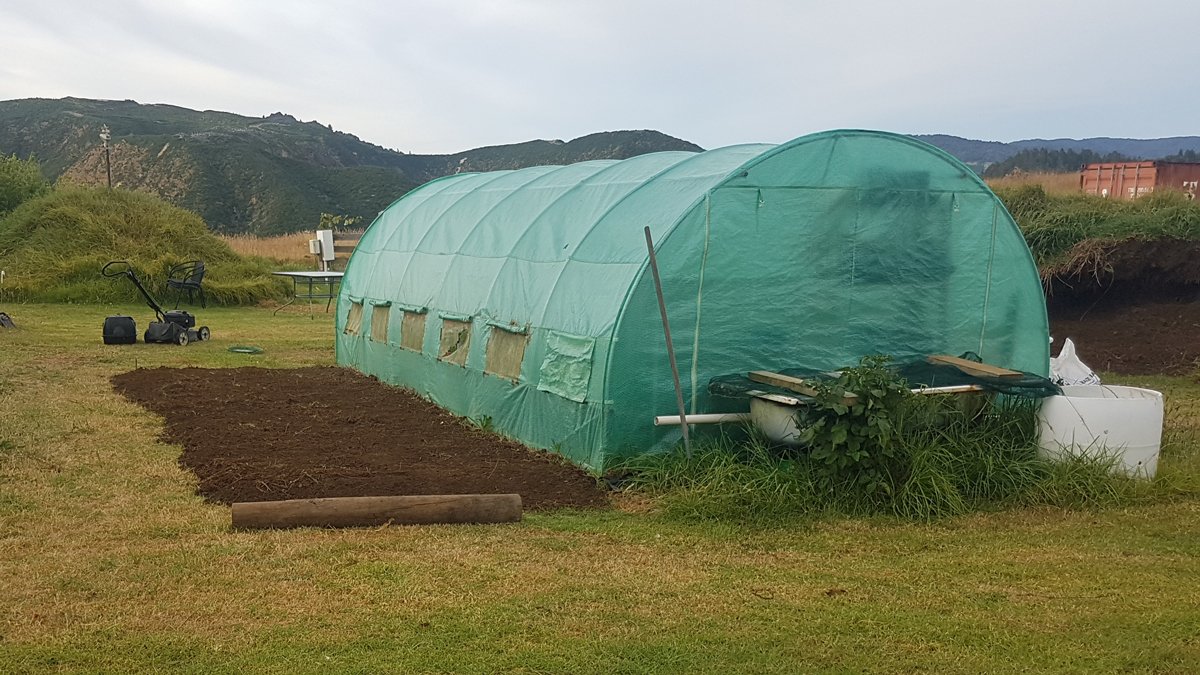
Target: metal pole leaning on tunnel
x: 662, y: 308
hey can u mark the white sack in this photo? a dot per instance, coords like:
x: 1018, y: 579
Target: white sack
x: 1066, y: 369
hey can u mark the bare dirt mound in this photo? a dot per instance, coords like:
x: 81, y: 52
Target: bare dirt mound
x: 260, y: 434
x: 1166, y: 264
x: 1132, y: 306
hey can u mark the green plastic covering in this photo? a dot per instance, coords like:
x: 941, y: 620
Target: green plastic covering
x: 805, y: 255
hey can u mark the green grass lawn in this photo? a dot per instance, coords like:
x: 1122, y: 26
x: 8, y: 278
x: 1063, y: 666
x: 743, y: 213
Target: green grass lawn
x: 110, y: 563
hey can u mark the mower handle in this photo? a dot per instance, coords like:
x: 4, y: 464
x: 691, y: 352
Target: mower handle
x: 127, y: 271
x: 120, y: 272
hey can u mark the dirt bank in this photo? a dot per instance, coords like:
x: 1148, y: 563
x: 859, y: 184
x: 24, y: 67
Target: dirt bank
x: 1132, y: 306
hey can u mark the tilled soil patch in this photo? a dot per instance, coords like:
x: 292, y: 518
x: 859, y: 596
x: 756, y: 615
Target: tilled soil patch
x: 260, y: 434
x: 1151, y: 337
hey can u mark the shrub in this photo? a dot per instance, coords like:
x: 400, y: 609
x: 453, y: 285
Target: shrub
x: 20, y: 181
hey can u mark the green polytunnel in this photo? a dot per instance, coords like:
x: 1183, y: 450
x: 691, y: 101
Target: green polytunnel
x: 523, y: 299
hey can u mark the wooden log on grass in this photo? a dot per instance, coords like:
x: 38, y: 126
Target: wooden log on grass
x: 374, y: 511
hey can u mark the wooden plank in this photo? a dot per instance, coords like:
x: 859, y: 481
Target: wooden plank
x: 782, y: 381
x: 374, y: 511
x: 344, y: 249
x: 792, y: 384
x: 973, y: 368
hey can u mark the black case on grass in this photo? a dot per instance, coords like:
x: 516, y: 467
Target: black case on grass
x: 120, y: 330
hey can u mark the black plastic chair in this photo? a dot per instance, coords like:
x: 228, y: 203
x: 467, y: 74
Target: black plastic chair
x: 188, y: 276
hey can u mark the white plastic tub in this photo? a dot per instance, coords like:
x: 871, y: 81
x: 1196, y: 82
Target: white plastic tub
x: 1098, y: 420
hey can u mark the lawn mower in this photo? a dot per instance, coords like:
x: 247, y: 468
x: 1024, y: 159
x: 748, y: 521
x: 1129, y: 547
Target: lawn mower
x: 173, y: 326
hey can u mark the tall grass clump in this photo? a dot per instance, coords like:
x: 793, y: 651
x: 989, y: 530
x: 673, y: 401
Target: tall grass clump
x: 743, y: 481
x: 283, y: 248
x: 52, y: 248
x: 938, y: 456
x: 1054, y: 223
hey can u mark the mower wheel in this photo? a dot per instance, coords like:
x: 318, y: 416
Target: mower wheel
x: 182, y: 339
x: 202, y: 333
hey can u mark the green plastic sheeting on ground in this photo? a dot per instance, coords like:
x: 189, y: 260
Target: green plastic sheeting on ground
x: 808, y: 254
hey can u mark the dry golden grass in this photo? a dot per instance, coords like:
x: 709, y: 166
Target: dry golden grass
x: 284, y: 248
x: 1052, y: 183
x: 110, y: 563
x: 1087, y: 259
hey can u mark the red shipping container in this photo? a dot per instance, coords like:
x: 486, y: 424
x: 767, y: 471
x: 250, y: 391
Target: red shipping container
x: 1130, y: 180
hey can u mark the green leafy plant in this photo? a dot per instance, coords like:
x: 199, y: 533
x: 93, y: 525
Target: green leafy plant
x: 849, y: 427
x: 331, y: 221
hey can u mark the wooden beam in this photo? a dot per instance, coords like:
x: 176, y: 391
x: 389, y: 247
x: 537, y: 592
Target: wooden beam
x: 374, y: 511
x: 793, y: 384
x: 973, y: 368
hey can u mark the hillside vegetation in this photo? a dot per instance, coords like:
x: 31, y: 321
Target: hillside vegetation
x: 1049, y: 161
x: 53, y: 246
x: 981, y: 154
x: 261, y: 175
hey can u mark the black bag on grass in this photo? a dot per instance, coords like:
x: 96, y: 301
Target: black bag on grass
x: 120, y: 330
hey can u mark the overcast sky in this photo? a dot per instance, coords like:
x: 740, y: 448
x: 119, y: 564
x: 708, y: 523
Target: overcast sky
x: 443, y: 76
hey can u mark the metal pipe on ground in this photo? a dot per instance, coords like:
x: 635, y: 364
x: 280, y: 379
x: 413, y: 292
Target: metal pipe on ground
x: 702, y: 418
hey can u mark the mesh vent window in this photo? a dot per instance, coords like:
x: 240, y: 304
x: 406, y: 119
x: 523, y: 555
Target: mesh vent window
x: 505, y: 352
x: 379, y: 323
x: 354, y: 319
x: 412, y: 331
x: 455, y: 342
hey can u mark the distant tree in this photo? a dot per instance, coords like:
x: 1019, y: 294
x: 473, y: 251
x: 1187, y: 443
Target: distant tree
x: 1185, y: 156
x: 19, y: 180
x: 1049, y: 161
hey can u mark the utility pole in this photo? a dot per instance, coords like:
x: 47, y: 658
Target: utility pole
x: 104, y: 136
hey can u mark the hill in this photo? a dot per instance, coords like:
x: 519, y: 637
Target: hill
x: 262, y: 175
x: 981, y: 154
x: 276, y: 174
